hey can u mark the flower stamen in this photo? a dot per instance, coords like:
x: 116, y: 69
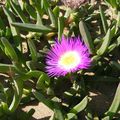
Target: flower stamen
x: 69, y: 60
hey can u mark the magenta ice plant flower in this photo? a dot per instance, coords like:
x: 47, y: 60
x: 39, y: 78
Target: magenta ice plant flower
x: 67, y: 56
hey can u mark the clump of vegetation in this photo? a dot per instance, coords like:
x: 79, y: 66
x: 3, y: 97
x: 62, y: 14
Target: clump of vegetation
x: 81, y: 84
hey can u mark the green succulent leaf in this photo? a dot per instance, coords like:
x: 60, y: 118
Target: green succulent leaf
x: 33, y: 49
x: 113, y: 3
x: 18, y: 91
x: 105, y: 44
x: 86, y: 36
x: 50, y: 13
x: 9, y: 49
x: 34, y: 73
x: 39, y: 19
x: 43, y: 81
x: 56, y: 11
x: 3, y: 96
x: 31, y: 11
x: 115, y: 64
x: 78, y: 108
x: 60, y: 27
x: 6, y: 68
x: 115, y: 104
x: 11, y: 19
x: 104, y: 20
x: 32, y: 27
x: 15, y: 31
x: 18, y: 10
x: 2, y: 25
x: 58, y: 113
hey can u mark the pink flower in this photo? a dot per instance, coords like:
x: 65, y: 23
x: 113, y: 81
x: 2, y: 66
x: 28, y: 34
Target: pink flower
x: 69, y: 55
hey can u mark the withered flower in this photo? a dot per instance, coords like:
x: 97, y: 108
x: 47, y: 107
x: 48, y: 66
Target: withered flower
x: 73, y: 3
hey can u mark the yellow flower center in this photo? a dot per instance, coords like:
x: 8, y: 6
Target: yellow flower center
x: 69, y: 60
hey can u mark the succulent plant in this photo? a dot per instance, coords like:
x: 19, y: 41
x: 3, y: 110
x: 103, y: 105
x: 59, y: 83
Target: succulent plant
x: 32, y: 29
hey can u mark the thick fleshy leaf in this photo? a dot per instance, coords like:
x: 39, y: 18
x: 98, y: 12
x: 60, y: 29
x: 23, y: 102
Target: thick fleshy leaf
x: 33, y: 49
x: 6, y: 68
x: 50, y: 13
x: 15, y: 31
x: 32, y: 27
x: 56, y: 11
x: 2, y: 25
x: 58, y: 113
x: 115, y: 64
x: 18, y: 10
x: 113, y: 3
x: 60, y: 27
x: 39, y: 19
x: 78, y: 108
x: 9, y: 49
x: 104, y: 20
x: 86, y: 36
x: 11, y: 19
x: 43, y: 81
x: 34, y: 73
x: 105, y: 44
x: 118, y: 22
x: 18, y: 91
x: 115, y: 104
x: 31, y: 11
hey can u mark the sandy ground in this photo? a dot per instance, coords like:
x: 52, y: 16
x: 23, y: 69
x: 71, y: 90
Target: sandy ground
x: 42, y: 112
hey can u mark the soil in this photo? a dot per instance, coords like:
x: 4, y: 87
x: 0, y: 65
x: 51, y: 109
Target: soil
x: 42, y: 112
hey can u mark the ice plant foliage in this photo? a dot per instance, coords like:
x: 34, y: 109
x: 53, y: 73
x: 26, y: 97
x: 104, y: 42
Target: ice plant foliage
x: 69, y: 55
